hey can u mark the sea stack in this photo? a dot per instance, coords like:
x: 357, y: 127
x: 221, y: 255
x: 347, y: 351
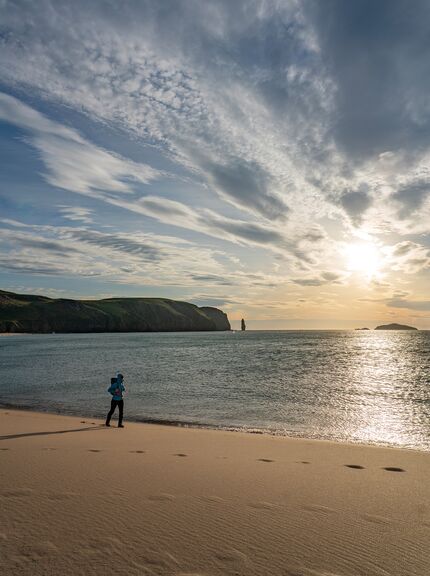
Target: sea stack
x: 242, y: 324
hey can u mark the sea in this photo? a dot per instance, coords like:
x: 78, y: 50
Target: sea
x: 370, y: 387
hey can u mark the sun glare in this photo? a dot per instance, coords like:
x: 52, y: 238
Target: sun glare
x: 363, y: 257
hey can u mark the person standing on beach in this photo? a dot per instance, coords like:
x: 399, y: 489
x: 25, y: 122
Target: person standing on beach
x: 117, y: 390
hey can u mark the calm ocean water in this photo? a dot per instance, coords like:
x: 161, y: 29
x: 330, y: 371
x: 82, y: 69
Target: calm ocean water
x: 371, y: 387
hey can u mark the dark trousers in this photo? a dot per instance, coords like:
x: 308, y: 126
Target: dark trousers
x: 113, y: 405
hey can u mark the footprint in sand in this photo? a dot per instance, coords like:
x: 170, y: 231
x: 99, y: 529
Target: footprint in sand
x: 376, y: 519
x: 393, y: 469
x: 96, y: 546
x: 163, y: 497
x: 158, y: 560
x: 4, y: 449
x: 294, y: 572
x: 62, y: 496
x: 262, y: 505
x: 215, y: 499
x: 137, y: 451
x: 264, y: 460
x: 231, y: 556
x: 38, y: 551
x: 181, y: 455
x: 320, y: 509
x: 355, y: 466
x: 94, y: 450
x: 302, y: 462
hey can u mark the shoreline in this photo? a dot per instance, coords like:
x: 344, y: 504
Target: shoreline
x: 231, y: 331
x: 79, y: 498
x: 17, y: 333
x: 211, y: 427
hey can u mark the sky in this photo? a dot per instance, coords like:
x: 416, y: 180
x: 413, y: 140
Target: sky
x: 270, y: 158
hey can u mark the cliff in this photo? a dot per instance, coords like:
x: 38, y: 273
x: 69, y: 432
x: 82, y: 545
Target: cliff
x: 395, y: 327
x: 39, y: 314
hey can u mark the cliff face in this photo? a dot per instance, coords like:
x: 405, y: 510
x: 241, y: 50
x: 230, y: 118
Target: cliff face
x: 217, y: 316
x: 22, y: 313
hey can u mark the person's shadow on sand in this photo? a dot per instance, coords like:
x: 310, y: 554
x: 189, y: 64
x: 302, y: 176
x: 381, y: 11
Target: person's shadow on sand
x: 27, y: 434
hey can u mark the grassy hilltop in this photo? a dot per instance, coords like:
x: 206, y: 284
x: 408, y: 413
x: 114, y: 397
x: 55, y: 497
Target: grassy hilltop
x: 39, y: 314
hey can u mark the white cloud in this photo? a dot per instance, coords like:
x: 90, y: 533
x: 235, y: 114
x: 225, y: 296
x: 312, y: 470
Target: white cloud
x: 72, y: 162
x: 77, y: 214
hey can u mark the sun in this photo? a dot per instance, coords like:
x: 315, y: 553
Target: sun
x: 363, y: 257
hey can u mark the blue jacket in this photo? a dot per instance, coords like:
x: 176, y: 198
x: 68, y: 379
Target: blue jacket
x: 117, y: 389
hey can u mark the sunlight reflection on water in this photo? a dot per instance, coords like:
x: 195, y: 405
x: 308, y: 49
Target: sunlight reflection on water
x: 385, y: 373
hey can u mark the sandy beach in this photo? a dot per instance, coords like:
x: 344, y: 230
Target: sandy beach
x: 79, y: 498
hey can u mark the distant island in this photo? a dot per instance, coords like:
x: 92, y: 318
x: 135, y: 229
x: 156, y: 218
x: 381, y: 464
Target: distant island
x: 395, y: 327
x: 362, y: 328
x: 21, y: 313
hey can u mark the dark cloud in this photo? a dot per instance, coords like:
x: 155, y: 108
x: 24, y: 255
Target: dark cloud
x: 118, y: 243
x: 248, y: 185
x: 56, y: 248
x: 212, y: 279
x: 323, y: 278
x: 380, y: 283
x: 377, y: 55
x: 403, y: 248
x: 411, y: 197
x: 256, y: 233
x: 313, y: 236
x: 330, y: 276
x: 355, y: 204
x: 29, y: 265
x: 418, y: 263
x: 249, y: 231
x: 397, y: 294
x: 423, y: 305
x: 63, y: 247
x: 309, y: 281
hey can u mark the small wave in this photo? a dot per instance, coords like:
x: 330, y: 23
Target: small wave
x: 280, y: 432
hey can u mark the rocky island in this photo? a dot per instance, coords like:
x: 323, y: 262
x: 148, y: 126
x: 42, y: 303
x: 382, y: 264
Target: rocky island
x: 21, y: 313
x: 395, y: 327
